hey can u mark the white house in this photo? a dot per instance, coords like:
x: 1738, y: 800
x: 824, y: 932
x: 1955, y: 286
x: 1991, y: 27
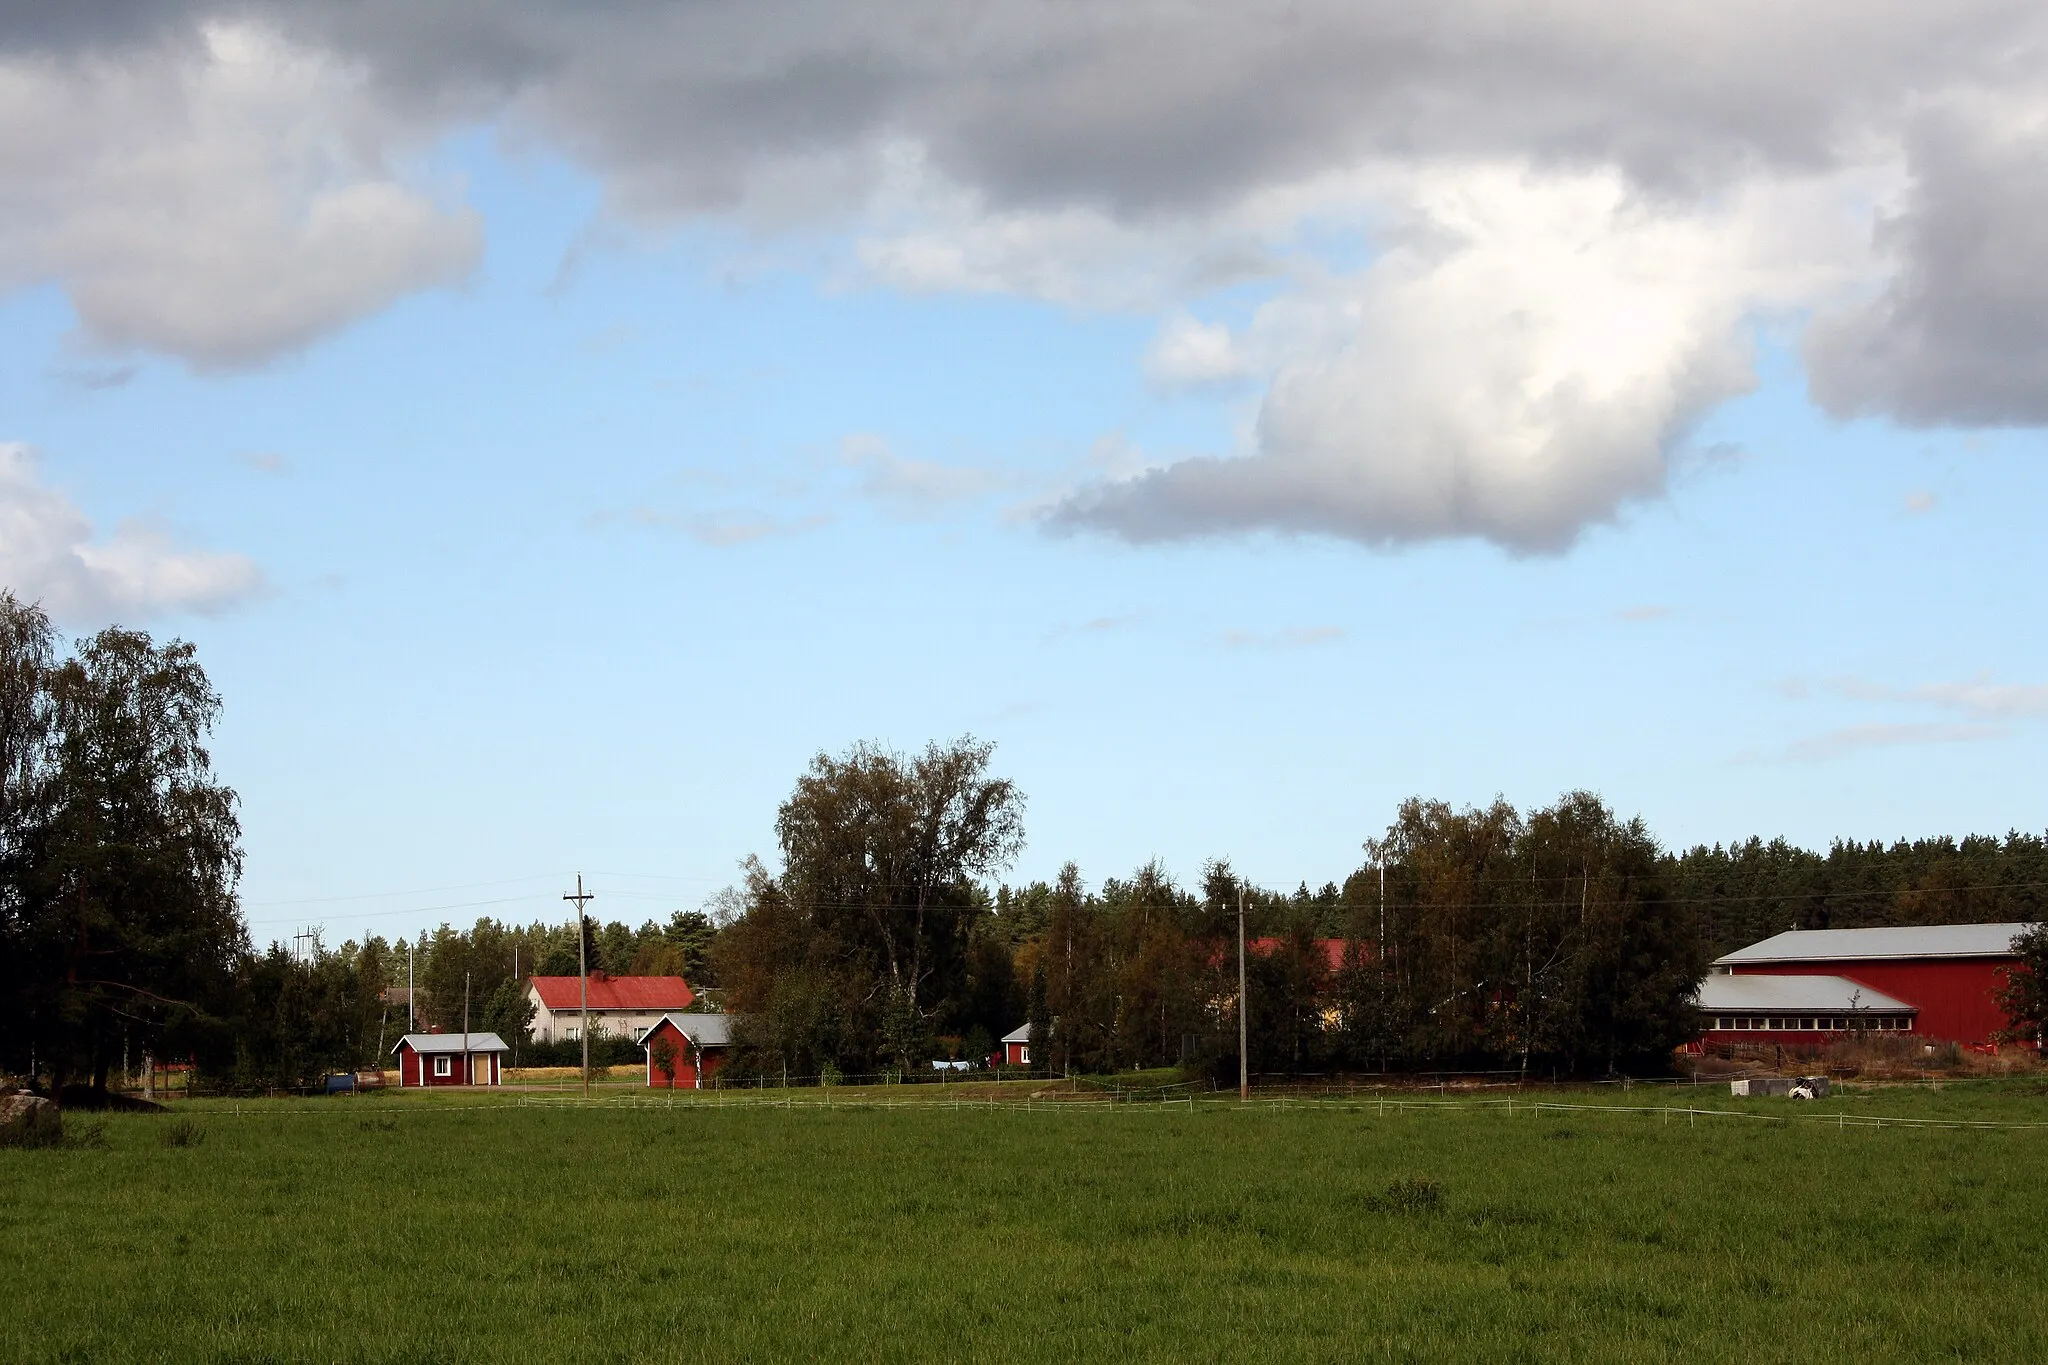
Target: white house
x: 620, y: 1006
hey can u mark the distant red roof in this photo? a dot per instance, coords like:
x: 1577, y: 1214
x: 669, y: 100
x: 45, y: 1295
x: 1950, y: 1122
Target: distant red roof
x: 1332, y: 948
x: 616, y: 992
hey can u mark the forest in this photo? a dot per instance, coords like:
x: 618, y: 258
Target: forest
x: 1562, y: 940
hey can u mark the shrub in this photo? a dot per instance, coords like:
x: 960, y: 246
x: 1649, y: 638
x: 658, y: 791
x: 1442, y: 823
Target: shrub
x: 182, y: 1133
x: 1416, y: 1194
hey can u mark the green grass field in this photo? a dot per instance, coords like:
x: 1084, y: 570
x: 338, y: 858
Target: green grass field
x: 476, y: 1228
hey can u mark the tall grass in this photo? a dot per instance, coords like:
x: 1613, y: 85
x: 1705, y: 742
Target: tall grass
x: 426, y: 1229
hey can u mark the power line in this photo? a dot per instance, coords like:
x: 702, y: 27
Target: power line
x: 412, y: 910
x: 386, y: 895
x: 1284, y: 900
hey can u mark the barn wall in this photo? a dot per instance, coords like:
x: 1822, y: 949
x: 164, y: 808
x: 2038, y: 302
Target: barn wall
x: 1953, y: 995
x: 686, y: 1060
x: 1807, y: 1040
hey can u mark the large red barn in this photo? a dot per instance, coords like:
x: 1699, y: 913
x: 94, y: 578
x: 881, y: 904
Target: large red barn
x: 1937, y: 981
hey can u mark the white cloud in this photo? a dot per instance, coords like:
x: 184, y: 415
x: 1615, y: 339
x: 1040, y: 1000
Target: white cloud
x: 1189, y: 353
x: 221, y: 200
x: 920, y: 231
x: 1521, y: 362
x: 1979, y: 697
x: 1835, y: 743
x: 1097, y: 625
x: 723, y: 529
x: 913, y: 488
x: 1293, y: 637
x: 50, y: 552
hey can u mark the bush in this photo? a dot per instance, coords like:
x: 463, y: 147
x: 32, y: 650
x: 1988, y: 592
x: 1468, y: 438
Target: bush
x: 182, y: 1133
x: 1410, y: 1195
x: 604, y: 1051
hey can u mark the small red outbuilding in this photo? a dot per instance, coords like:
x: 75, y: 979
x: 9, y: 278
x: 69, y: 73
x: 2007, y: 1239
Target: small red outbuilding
x: 451, y: 1059
x: 700, y: 1042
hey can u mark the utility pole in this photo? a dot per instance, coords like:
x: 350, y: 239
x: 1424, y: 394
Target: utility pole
x: 1244, y: 1072
x: 468, y: 1066
x: 1383, y: 909
x: 582, y: 898
x: 410, y: 1025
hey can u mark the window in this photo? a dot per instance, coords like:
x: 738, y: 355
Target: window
x: 1724, y: 1022
x: 1024, y: 1056
x: 1805, y: 1023
x: 444, y: 1066
x: 1776, y: 1022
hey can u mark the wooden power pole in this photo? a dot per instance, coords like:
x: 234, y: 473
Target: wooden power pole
x: 1244, y: 1065
x: 582, y: 898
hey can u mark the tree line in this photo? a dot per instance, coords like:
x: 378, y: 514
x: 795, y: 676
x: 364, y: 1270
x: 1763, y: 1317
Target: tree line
x: 1561, y: 939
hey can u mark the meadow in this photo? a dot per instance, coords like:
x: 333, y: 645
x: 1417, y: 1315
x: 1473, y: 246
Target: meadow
x: 439, y: 1227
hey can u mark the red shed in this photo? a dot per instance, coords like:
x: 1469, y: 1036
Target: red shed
x: 1945, y: 973
x: 451, y: 1059
x: 1017, y: 1046
x: 701, y: 1042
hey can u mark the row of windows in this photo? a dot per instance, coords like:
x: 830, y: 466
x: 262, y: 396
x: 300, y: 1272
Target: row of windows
x: 1817, y: 1023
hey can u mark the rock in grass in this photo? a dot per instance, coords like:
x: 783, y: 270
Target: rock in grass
x: 29, y: 1121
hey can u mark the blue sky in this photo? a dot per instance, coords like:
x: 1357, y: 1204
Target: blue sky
x: 571, y: 556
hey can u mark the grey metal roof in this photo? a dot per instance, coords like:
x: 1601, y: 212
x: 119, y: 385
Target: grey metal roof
x: 705, y: 1030
x: 451, y: 1042
x: 1019, y: 1034
x: 1927, y: 940
x: 1722, y: 993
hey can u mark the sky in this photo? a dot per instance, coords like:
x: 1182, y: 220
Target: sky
x: 555, y: 424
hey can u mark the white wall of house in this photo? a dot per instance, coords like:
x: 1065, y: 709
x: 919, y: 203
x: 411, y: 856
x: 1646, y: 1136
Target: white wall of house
x: 562, y: 1025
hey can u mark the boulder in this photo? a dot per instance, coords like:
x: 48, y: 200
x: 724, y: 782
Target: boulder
x: 29, y: 1121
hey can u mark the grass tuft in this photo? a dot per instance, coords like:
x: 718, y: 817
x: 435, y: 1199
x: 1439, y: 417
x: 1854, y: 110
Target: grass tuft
x: 1412, y: 1195
x: 181, y: 1133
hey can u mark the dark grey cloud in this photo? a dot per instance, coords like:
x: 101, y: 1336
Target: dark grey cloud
x: 1959, y: 334
x: 1156, y: 106
x: 1142, y: 107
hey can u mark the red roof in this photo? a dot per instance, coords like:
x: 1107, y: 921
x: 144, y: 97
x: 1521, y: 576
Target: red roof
x: 616, y: 992
x: 1332, y: 948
